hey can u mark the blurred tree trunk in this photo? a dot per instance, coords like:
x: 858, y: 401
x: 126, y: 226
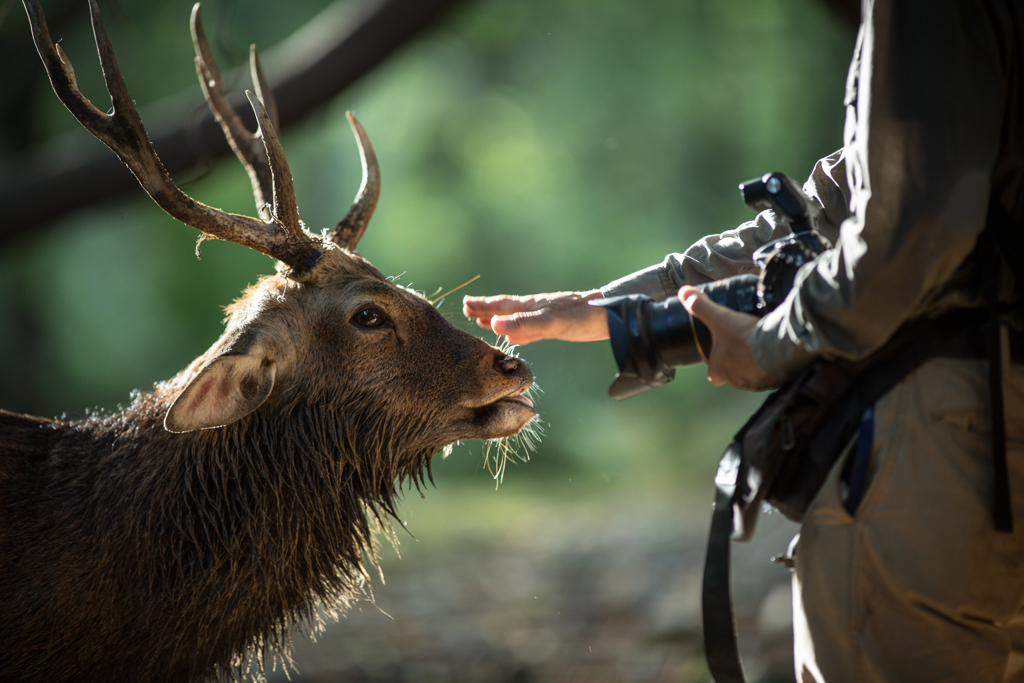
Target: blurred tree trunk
x: 43, y: 183
x: 847, y: 10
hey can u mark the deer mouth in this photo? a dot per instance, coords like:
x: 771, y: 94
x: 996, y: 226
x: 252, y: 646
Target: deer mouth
x: 504, y: 416
x: 516, y: 402
x: 518, y: 398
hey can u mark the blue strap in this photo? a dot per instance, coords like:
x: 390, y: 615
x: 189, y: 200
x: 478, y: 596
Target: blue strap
x: 861, y: 460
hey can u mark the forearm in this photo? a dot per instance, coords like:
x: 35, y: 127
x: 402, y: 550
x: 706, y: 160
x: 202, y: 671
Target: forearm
x: 731, y: 252
x: 712, y: 258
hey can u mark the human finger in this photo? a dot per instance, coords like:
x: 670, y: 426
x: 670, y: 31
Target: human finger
x: 486, y: 307
x: 578, y: 322
x: 732, y: 360
x: 545, y: 323
x: 700, y: 306
x: 525, y: 327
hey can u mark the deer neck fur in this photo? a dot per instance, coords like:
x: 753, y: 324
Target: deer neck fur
x: 268, y: 518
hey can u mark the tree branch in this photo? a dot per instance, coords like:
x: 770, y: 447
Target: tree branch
x: 310, y: 68
x: 847, y: 11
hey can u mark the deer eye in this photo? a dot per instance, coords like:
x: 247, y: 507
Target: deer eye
x: 369, y: 317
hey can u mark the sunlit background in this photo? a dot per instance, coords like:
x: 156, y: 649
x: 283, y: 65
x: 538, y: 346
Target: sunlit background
x: 543, y: 146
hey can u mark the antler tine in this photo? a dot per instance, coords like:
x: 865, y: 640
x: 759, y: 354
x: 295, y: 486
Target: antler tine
x: 261, y: 154
x: 59, y: 69
x: 351, y: 228
x: 246, y: 145
x: 286, y: 211
x: 62, y: 74
x: 263, y: 90
x: 122, y: 131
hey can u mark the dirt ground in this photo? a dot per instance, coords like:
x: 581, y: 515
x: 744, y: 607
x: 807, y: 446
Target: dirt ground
x: 596, y: 593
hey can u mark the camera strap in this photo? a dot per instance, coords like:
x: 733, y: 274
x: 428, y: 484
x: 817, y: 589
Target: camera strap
x: 721, y: 646
x: 1000, y: 241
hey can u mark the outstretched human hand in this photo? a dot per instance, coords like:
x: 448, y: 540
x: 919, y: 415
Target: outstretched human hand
x: 524, y: 319
x: 732, y: 359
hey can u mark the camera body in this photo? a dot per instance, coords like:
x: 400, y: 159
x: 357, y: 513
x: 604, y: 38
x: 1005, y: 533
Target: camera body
x: 651, y: 338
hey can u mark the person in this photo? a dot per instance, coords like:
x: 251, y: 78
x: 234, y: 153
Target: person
x: 916, y: 584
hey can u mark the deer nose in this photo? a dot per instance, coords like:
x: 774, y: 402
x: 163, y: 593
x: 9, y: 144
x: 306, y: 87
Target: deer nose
x: 507, y: 365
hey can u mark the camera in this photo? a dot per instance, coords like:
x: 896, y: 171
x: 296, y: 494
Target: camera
x: 651, y: 338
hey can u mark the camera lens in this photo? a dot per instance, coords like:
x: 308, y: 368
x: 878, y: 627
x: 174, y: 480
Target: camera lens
x: 650, y: 339
x: 677, y: 339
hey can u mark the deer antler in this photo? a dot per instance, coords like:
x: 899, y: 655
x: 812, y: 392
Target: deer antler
x: 353, y: 225
x: 248, y: 147
x: 278, y: 233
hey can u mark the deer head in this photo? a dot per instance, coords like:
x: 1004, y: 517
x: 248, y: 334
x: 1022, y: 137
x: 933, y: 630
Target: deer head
x: 328, y: 323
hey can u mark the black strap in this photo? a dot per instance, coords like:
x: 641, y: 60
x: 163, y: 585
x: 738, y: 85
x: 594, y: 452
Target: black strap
x: 720, y: 643
x: 1008, y: 238
x: 1002, y: 514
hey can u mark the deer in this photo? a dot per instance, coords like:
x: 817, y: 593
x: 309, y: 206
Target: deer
x: 190, y: 533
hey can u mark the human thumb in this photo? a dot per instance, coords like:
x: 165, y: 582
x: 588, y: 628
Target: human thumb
x: 700, y: 306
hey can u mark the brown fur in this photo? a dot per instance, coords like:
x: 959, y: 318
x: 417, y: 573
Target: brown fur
x: 130, y: 553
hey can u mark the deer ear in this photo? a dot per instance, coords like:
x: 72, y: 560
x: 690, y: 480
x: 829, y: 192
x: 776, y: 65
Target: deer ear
x: 226, y: 390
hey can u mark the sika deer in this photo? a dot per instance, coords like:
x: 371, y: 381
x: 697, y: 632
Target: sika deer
x: 183, y: 535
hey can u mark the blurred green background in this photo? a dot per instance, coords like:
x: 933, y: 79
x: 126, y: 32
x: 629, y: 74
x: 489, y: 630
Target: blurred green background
x: 544, y: 145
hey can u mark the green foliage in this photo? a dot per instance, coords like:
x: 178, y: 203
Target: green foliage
x: 543, y: 145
